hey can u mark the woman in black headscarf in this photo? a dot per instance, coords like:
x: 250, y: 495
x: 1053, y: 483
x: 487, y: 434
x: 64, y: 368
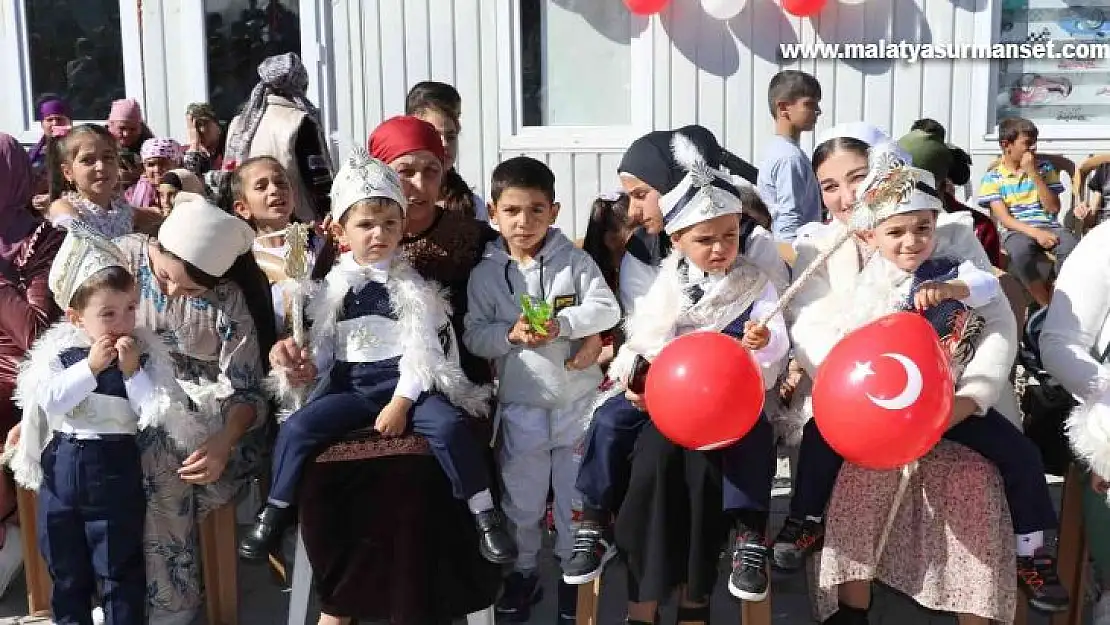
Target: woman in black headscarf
x: 647, y: 172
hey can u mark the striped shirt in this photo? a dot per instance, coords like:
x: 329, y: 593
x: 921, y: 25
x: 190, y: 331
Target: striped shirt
x: 1017, y: 191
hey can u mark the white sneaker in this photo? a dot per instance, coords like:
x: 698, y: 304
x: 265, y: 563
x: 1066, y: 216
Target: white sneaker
x: 98, y: 616
x: 11, y: 556
x: 1101, y: 613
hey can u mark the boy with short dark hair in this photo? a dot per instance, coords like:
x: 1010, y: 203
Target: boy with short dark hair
x: 786, y: 181
x: 536, y: 305
x: 1022, y: 193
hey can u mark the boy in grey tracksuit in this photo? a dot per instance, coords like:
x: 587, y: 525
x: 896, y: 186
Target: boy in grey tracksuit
x: 546, y: 387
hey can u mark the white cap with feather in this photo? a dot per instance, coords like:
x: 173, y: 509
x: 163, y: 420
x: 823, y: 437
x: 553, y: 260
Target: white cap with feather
x: 703, y: 194
x: 364, y: 178
x: 892, y: 187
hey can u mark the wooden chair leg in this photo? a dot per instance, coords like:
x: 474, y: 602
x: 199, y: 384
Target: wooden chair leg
x: 588, y: 595
x: 756, y: 612
x: 1071, y: 555
x: 219, y: 563
x: 1021, y: 611
x: 34, y: 567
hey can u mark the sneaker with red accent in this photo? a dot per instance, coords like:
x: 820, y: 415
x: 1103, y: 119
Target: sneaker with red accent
x: 593, y: 548
x: 796, y: 540
x: 1038, y: 580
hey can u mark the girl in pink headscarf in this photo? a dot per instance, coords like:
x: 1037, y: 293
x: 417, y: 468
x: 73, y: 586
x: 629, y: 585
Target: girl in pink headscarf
x: 158, y: 157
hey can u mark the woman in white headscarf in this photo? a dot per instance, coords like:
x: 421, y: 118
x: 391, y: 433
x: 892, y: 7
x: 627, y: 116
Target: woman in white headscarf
x: 200, y: 291
x: 841, y: 163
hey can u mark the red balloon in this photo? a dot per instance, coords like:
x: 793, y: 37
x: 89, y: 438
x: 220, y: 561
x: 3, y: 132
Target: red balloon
x: 645, y: 7
x: 883, y: 395
x: 803, y: 8
x: 704, y: 391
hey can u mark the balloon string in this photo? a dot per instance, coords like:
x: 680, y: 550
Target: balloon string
x: 903, y: 484
x: 792, y: 291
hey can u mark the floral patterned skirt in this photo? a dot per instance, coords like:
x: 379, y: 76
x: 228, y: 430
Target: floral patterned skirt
x: 951, y: 547
x: 175, y: 593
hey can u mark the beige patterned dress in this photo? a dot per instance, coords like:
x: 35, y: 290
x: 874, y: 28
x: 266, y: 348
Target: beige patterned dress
x: 951, y: 547
x: 215, y: 349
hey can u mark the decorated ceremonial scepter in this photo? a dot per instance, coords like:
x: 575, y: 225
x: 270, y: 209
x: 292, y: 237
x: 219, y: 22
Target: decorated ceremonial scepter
x: 888, y: 184
x: 296, y: 270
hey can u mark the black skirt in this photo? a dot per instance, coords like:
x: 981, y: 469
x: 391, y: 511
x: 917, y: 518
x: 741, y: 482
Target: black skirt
x: 671, y: 527
x: 388, y: 541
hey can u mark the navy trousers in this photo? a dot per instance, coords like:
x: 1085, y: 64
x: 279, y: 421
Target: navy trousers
x: 359, y: 393
x: 91, y: 510
x: 990, y: 435
x: 748, y: 465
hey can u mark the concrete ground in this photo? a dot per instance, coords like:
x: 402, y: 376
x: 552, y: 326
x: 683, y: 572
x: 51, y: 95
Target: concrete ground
x: 263, y: 602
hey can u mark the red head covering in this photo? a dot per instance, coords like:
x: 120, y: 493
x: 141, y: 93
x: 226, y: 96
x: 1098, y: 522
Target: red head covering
x: 402, y: 135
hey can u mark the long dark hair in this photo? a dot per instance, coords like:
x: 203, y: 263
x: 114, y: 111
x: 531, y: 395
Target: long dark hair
x: 606, y: 215
x: 60, y: 150
x: 251, y: 280
x: 837, y: 144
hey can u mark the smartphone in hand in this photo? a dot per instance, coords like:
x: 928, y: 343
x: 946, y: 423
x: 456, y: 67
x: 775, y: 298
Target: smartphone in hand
x: 638, y: 379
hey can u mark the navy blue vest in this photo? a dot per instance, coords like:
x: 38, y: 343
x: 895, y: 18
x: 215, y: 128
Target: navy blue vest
x: 109, y: 381
x: 372, y: 299
x: 945, y: 315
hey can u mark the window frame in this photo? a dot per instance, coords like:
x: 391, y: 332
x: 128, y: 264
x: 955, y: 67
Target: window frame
x: 517, y: 137
x: 17, y: 114
x: 984, y: 136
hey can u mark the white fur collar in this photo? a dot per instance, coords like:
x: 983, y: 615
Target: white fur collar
x: 423, y: 315
x: 168, y: 407
x: 667, y: 307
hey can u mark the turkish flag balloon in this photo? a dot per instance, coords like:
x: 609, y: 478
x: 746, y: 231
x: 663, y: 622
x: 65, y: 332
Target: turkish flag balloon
x: 645, y: 7
x: 803, y: 8
x: 723, y: 9
x: 883, y: 395
x: 704, y: 391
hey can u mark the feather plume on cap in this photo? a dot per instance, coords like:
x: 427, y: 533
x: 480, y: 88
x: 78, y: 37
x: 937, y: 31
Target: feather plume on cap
x: 892, y: 187
x: 703, y: 194
x: 691, y: 159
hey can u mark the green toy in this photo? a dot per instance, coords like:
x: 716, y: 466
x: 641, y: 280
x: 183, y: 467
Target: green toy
x: 537, y: 312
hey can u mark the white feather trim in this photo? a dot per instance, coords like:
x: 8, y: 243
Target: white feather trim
x: 167, y: 408
x: 1088, y: 430
x: 422, y: 311
x: 692, y: 160
x: 666, y: 308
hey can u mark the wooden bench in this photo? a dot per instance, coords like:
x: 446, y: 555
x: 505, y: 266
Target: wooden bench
x: 219, y: 562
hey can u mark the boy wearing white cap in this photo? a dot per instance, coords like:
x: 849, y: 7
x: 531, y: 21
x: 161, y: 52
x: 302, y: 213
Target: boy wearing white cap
x: 384, y: 352
x: 706, y: 284
x: 90, y: 383
x: 897, y: 214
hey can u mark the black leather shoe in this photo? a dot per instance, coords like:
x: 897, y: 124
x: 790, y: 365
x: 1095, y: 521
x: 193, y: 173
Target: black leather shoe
x: 265, y: 535
x: 495, y: 543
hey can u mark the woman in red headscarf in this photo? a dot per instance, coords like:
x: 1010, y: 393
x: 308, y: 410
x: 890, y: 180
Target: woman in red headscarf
x: 385, y: 537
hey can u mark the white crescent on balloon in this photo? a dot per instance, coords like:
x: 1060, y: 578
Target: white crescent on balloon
x: 914, y: 385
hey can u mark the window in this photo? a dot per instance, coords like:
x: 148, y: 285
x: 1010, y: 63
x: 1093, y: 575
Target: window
x: 575, y: 63
x: 240, y: 35
x: 75, y: 50
x: 1055, y: 91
